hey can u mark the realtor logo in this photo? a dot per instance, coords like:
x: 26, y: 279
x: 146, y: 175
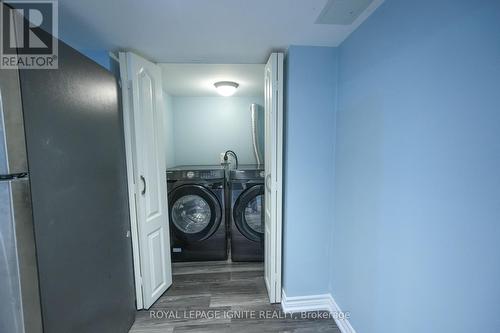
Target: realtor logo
x: 28, y: 34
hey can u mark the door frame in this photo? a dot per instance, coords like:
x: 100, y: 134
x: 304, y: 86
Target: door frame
x: 276, y: 256
x: 129, y: 134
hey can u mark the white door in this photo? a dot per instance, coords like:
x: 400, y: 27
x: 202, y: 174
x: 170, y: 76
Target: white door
x: 144, y: 104
x: 273, y: 172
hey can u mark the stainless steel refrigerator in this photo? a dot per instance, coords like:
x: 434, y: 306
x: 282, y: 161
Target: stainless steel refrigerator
x: 65, y: 251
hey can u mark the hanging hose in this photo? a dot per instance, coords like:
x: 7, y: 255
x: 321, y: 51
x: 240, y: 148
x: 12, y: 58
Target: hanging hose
x: 230, y: 152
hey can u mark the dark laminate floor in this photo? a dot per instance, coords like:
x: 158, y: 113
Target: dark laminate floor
x: 221, y: 297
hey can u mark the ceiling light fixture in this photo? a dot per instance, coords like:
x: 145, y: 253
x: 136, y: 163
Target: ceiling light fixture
x: 226, y: 88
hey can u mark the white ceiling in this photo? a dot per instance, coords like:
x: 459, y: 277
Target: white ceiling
x: 203, y: 31
x: 199, y: 79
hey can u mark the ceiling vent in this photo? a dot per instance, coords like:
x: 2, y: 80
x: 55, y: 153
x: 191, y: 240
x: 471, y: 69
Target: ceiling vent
x: 342, y: 12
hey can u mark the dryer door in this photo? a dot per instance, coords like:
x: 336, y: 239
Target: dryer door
x: 248, y: 213
x: 195, y: 212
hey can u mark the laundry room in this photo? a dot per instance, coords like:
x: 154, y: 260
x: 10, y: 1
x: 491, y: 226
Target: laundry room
x: 214, y: 142
x: 213, y: 136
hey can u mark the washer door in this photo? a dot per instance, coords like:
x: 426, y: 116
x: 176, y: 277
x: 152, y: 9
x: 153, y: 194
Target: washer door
x: 248, y: 213
x: 195, y: 212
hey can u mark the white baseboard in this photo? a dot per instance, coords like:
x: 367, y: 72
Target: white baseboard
x: 305, y: 303
x: 316, y: 303
x: 343, y: 323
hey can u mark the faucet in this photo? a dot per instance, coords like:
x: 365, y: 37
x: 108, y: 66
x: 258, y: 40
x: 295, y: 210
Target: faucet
x: 230, y: 152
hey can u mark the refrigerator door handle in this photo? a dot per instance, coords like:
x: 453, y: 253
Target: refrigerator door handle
x: 143, y: 192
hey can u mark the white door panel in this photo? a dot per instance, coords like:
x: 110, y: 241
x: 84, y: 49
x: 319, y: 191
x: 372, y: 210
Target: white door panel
x: 146, y: 107
x: 148, y: 119
x: 273, y: 95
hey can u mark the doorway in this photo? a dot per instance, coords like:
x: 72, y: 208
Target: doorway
x: 165, y: 131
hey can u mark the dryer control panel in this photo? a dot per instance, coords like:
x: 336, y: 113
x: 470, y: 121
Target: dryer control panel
x: 195, y: 174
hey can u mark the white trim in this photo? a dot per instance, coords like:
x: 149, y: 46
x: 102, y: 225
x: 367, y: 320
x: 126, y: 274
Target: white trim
x: 316, y: 303
x: 343, y: 324
x: 114, y: 56
x: 279, y: 174
x: 305, y: 303
x: 273, y: 82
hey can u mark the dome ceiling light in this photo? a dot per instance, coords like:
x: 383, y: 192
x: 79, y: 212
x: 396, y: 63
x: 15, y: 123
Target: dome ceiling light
x: 226, y: 88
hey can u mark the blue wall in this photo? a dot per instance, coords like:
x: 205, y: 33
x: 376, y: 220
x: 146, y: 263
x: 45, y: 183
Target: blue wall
x: 204, y: 127
x: 417, y: 221
x: 168, y: 130
x: 308, y: 164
